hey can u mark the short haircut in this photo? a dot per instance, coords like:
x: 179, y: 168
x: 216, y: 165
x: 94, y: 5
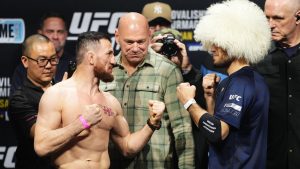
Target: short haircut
x: 87, y: 40
x: 31, y: 40
x: 51, y: 15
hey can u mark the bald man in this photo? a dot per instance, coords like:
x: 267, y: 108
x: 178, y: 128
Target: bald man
x: 282, y: 73
x: 142, y: 74
x: 75, y: 118
x: 40, y: 60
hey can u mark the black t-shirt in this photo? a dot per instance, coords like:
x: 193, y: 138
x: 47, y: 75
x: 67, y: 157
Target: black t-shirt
x: 23, y: 109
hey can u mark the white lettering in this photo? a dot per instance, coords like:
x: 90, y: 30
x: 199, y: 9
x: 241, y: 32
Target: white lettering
x: 113, y: 23
x: 184, y: 24
x: 4, y: 92
x: 4, y: 81
x: 8, y: 157
x: 75, y: 28
x: 8, y: 162
x: 2, y: 150
x: 236, y: 97
x: 97, y: 23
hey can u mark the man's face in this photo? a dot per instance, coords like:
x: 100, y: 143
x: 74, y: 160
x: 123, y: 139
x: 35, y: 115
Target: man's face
x: 54, y: 28
x: 281, y: 19
x: 154, y: 28
x: 41, y: 75
x: 134, y: 42
x: 104, y: 61
x: 220, y: 57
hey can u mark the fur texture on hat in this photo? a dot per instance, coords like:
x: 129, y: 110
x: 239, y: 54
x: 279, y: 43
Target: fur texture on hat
x: 237, y: 26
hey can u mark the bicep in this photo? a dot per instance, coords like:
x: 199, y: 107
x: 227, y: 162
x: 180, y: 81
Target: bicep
x: 49, y: 114
x: 120, y: 127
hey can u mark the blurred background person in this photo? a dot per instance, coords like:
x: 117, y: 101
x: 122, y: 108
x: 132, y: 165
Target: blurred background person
x: 53, y: 26
x: 281, y: 70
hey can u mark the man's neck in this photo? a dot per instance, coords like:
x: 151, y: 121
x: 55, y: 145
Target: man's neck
x: 236, y: 65
x: 86, y: 81
x: 130, y: 68
x: 42, y: 85
x: 60, y: 53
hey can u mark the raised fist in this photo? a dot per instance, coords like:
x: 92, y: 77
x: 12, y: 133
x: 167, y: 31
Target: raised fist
x: 92, y: 114
x: 209, y: 83
x: 156, y: 109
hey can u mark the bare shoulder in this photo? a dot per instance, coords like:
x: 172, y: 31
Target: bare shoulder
x: 57, y: 91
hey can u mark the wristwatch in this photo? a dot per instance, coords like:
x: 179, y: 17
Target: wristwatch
x: 153, y: 127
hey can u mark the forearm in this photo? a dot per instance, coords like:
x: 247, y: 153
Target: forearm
x: 210, y: 104
x: 47, y: 142
x: 197, y: 112
x: 136, y: 141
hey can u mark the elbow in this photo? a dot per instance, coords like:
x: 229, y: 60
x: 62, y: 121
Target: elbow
x: 129, y: 153
x: 41, y: 150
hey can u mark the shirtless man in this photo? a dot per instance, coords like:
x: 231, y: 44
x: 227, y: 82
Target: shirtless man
x: 76, y: 119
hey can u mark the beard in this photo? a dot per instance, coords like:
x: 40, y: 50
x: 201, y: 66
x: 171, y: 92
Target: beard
x: 224, y: 63
x: 104, y: 76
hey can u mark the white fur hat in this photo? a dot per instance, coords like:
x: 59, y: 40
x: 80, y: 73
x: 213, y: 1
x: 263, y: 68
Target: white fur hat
x: 237, y: 26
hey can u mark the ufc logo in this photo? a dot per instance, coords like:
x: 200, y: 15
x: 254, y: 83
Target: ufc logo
x: 89, y: 21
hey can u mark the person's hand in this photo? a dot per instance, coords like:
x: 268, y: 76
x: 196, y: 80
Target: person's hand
x: 156, y: 109
x: 209, y: 84
x: 155, y: 45
x: 92, y: 114
x: 182, y: 58
x: 65, y: 77
x: 185, y: 92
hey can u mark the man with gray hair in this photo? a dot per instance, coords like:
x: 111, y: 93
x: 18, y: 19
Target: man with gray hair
x: 235, y: 123
x: 281, y: 70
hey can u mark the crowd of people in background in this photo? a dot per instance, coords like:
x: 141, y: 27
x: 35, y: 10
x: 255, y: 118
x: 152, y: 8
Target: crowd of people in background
x: 148, y: 106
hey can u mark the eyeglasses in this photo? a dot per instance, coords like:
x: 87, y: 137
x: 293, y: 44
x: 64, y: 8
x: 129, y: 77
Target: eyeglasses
x: 43, y: 61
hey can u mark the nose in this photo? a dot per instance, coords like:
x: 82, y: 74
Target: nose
x: 271, y: 23
x: 55, y: 35
x: 157, y: 27
x: 112, y: 60
x: 48, y: 65
x: 135, y: 46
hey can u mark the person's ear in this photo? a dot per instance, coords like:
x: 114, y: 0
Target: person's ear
x: 298, y: 16
x: 24, y: 61
x: 117, y: 36
x: 91, y: 57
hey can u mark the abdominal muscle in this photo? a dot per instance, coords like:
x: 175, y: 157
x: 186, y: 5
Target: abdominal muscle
x: 89, y: 151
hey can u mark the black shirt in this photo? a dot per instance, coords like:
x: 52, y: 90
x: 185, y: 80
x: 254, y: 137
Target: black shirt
x: 23, y: 109
x: 282, y: 74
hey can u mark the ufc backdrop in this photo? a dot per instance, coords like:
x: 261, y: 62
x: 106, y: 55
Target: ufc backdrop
x: 20, y: 18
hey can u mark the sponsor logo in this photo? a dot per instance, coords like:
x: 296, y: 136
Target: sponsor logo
x: 7, y: 156
x: 94, y: 21
x: 186, y: 19
x: 234, y: 106
x: 12, y: 30
x: 235, y: 97
x: 4, y: 94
